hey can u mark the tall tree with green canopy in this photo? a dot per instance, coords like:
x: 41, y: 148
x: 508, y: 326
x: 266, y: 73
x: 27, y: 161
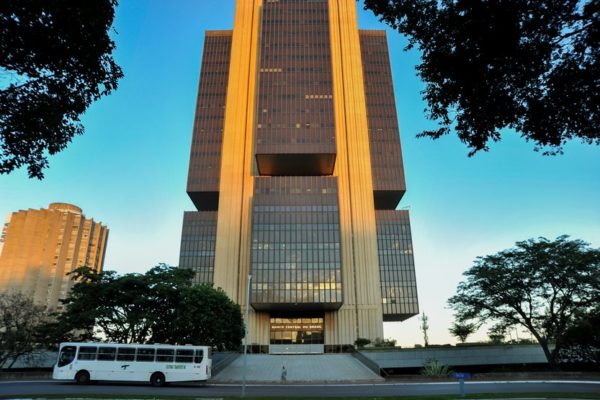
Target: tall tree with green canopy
x: 542, y: 285
x: 55, y: 60
x: 532, y: 66
x: 160, y: 306
x: 209, y: 314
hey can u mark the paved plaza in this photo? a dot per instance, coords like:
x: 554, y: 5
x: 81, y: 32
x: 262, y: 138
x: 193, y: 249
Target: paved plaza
x: 300, y: 368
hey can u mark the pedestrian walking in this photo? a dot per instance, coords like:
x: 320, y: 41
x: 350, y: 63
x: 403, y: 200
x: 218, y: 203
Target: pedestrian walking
x: 283, y: 374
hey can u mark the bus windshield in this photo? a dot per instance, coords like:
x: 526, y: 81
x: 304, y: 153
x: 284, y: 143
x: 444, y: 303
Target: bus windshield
x: 66, y: 356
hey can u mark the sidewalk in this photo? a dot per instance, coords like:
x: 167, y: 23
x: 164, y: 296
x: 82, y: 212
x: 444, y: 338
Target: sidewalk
x: 503, y: 376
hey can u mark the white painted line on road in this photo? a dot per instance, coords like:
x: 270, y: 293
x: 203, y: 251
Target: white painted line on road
x: 542, y: 381
x: 305, y: 384
x: 397, y: 384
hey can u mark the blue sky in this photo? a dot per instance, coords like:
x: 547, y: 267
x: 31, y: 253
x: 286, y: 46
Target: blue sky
x: 129, y: 169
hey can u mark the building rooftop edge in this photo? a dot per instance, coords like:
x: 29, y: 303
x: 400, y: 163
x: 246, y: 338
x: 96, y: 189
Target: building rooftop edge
x: 373, y: 32
x: 223, y: 32
x: 65, y: 207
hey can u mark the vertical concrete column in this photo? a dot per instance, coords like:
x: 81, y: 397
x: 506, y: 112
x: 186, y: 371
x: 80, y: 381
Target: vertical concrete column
x: 361, y: 314
x: 236, y: 183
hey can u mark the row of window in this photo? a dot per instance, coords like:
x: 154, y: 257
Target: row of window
x: 297, y: 296
x: 198, y: 243
x: 294, y: 111
x: 223, y: 74
x: 294, y: 190
x: 197, y: 253
x: 296, y: 285
x: 399, y: 294
x: 291, y: 57
x: 283, y: 265
x: 278, y: 276
x: 306, y: 42
x: 392, y: 230
x: 313, y: 141
x: 304, y: 249
x: 300, y: 246
x: 397, y: 273
x: 395, y: 251
x: 293, y: 233
x: 297, y: 337
x: 307, y: 125
x: 297, y: 227
x: 296, y: 208
x: 206, y: 230
x: 284, y: 250
x: 141, y: 354
x: 294, y: 98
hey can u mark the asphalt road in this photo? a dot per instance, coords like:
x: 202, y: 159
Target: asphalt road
x: 41, y: 388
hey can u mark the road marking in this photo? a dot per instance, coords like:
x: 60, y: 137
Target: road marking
x: 308, y: 384
x: 305, y: 384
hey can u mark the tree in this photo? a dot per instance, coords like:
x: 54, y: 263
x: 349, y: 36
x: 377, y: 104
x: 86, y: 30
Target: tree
x: 209, y: 317
x: 424, y: 328
x: 528, y: 65
x: 20, y: 319
x: 160, y: 306
x: 541, y: 285
x: 462, y: 330
x: 55, y: 60
x: 497, y: 334
x: 582, y: 339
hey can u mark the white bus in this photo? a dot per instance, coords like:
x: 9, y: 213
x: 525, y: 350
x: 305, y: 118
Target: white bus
x: 154, y: 363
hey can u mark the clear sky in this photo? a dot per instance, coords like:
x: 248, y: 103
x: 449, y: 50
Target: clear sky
x: 129, y: 169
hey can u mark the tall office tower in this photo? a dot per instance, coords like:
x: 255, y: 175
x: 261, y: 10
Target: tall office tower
x: 41, y: 246
x: 296, y: 171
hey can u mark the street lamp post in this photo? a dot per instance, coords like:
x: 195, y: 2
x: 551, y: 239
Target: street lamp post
x: 246, y: 335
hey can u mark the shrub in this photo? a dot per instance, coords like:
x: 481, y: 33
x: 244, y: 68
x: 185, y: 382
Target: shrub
x: 378, y: 342
x: 433, y: 367
x: 362, y: 342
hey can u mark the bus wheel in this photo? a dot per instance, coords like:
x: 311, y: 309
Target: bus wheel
x: 82, y: 377
x: 158, y: 379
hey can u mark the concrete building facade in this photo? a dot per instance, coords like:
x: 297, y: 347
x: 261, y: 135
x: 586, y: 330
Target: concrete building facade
x: 296, y: 170
x: 41, y: 246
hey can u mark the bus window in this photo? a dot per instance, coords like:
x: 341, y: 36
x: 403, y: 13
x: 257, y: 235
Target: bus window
x: 185, y: 356
x: 66, y: 356
x: 199, y: 356
x: 145, y: 354
x: 87, y: 353
x: 125, y: 354
x: 107, y: 353
x: 164, y: 355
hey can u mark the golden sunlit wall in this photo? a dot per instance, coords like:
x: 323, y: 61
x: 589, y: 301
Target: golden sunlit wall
x: 41, y: 246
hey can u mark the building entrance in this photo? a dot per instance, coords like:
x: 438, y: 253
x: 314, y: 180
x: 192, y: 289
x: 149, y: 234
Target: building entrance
x: 297, y: 336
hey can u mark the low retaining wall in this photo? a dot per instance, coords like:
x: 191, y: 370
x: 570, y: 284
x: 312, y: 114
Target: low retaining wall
x: 40, y: 359
x: 459, y: 356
